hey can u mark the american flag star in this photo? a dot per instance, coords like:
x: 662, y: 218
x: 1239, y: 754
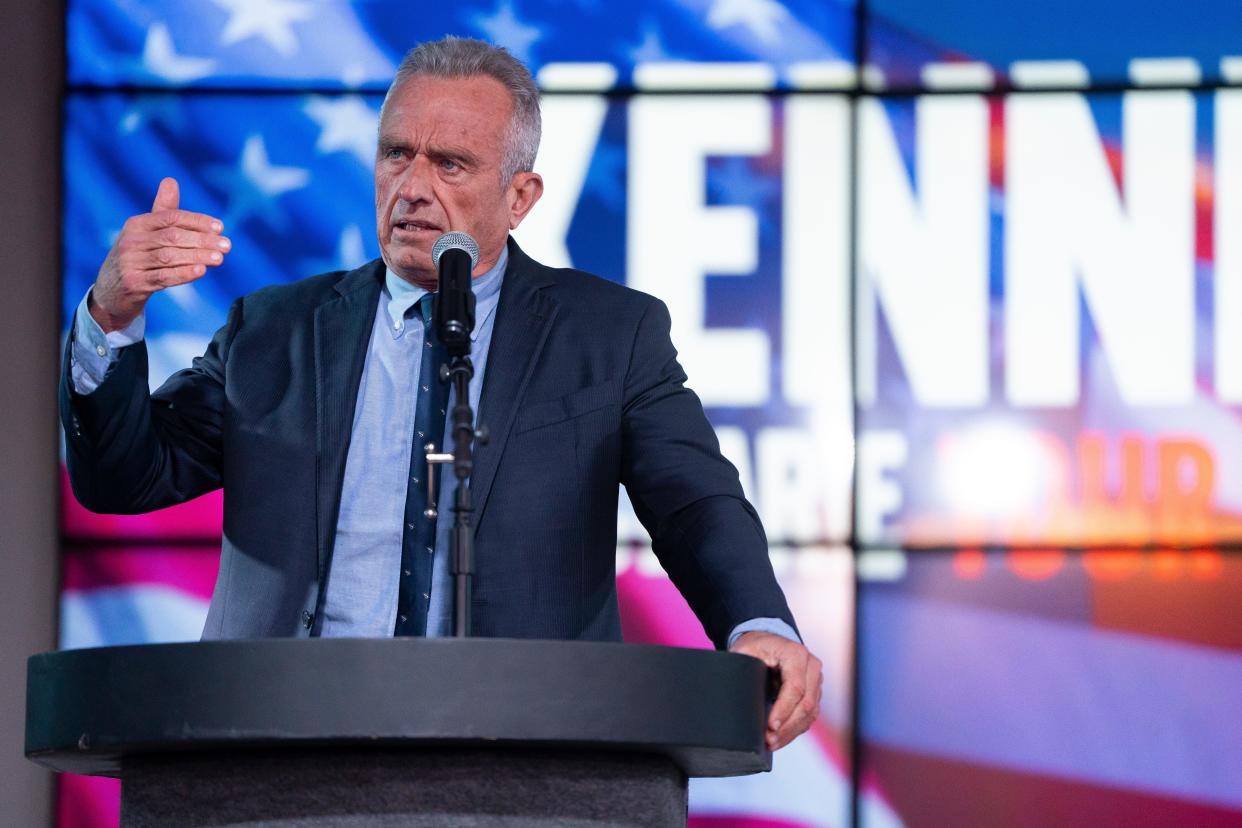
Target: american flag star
x: 762, y: 17
x: 254, y: 184
x: 346, y: 124
x: 160, y: 58
x: 271, y: 20
x: 504, y: 28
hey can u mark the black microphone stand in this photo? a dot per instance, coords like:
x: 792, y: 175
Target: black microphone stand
x: 458, y: 370
x: 455, y: 255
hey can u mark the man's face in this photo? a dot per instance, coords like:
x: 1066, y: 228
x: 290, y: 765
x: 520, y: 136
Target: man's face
x: 437, y: 169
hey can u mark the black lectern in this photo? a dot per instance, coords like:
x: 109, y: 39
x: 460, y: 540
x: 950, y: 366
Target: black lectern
x: 398, y: 732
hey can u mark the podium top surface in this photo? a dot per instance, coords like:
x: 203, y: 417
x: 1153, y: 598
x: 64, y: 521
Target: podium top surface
x: 89, y: 710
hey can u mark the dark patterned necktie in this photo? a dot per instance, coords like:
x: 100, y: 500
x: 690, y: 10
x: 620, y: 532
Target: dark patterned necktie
x: 418, y: 534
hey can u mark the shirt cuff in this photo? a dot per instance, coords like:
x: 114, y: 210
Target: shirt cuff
x: 92, y: 352
x: 769, y: 625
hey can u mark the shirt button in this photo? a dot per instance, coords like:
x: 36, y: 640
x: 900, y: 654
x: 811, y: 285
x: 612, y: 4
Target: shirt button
x: 409, y: 526
x: 307, y: 618
x: 426, y: 596
x: 101, y: 350
x: 406, y: 571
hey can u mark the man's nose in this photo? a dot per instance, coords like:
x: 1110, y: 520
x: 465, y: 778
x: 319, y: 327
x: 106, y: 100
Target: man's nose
x: 415, y: 183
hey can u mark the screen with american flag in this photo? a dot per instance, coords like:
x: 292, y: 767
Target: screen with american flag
x: 954, y: 280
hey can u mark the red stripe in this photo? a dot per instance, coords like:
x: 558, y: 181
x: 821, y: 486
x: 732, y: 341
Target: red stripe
x: 928, y: 790
x: 653, y: 612
x: 1188, y: 596
x: 87, y: 801
x: 199, y: 520
x: 189, y: 569
x: 741, y: 822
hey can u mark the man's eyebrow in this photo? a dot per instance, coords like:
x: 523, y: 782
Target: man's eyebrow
x: 390, y: 142
x: 459, y: 154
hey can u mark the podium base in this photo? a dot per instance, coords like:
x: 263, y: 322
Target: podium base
x: 364, y: 788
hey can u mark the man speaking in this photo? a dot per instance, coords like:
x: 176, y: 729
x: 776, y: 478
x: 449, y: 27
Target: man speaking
x: 313, y: 403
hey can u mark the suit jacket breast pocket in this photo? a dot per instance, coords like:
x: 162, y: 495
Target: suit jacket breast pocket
x: 581, y: 402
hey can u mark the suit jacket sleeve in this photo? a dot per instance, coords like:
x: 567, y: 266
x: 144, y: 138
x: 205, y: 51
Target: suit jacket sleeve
x: 131, y: 451
x: 687, y: 495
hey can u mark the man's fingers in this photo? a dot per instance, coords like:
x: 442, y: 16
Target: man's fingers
x: 168, y: 197
x: 172, y: 276
x: 794, y: 728
x: 798, y: 720
x: 787, y: 699
x: 179, y: 237
x: 804, y: 715
x: 159, y: 219
x: 166, y: 257
x: 806, y: 711
x: 186, y: 219
x: 797, y: 705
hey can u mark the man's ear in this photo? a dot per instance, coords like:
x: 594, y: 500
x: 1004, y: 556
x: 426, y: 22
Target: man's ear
x: 524, y: 191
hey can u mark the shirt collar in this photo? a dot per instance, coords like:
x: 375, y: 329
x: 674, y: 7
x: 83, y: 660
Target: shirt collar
x: 403, y: 295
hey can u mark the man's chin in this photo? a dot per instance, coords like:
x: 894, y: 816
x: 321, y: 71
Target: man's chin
x: 424, y: 277
x: 411, y: 264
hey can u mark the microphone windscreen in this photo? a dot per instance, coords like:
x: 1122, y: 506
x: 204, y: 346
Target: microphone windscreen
x: 455, y: 240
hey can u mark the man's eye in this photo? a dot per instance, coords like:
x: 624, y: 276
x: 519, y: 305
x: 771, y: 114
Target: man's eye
x: 449, y: 164
x: 392, y: 152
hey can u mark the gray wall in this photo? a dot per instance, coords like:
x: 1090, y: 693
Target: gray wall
x: 31, y: 57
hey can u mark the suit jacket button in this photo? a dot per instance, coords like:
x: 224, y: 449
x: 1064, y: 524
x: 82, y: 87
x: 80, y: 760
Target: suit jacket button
x: 307, y: 618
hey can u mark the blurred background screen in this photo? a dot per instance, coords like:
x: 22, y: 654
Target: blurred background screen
x: 955, y: 281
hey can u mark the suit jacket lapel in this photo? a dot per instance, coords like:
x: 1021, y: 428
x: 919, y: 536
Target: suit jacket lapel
x: 523, y: 319
x: 342, y: 334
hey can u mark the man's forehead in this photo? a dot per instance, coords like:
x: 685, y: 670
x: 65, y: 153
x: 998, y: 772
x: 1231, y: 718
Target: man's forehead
x: 473, y: 95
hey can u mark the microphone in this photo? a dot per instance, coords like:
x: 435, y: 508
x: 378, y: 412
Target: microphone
x: 455, y: 254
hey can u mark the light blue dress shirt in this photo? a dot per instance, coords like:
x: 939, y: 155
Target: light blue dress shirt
x: 361, y: 595
x: 361, y: 598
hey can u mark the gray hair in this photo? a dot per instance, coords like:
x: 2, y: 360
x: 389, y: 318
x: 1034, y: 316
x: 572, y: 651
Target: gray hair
x: 463, y: 57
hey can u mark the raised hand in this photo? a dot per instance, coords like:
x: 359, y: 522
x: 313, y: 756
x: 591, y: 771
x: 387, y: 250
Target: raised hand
x: 165, y: 247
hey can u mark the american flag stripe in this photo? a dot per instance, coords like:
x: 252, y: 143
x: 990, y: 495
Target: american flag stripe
x: 973, y: 793
x: 1051, y: 697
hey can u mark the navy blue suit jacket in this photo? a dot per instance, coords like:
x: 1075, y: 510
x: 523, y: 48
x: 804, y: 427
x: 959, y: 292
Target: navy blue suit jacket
x: 583, y: 391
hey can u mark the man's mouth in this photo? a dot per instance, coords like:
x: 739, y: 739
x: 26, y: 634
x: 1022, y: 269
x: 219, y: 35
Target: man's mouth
x: 415, y: 226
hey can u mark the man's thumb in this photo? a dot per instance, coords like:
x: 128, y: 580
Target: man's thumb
x: 168, y: 197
